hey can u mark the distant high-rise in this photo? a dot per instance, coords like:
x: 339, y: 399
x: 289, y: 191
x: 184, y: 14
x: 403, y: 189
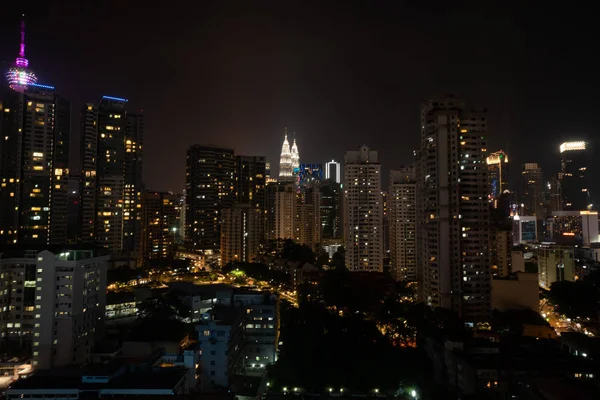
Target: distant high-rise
x: 210, y: 187
x: 331, y: 209
x: 111, y: 173
x: 250, y: 180
x: 295, y: 158
x: 307, y: 224
x: 310, y: 173
x: 363, y: 214
x: 285, y: 211
x: 403, y: 223
x: 241, y: 233
x: 34, y: 156
x: 532, y: 186
x: 285, y: 161
x: 497, y: 164
x: 132, y: 218
x: 453, y: 266
x: 333, y: 171
x: 160, y: 221
x: 573, y: 176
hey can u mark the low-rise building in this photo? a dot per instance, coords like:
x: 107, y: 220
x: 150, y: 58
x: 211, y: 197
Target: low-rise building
x: 516, y: 292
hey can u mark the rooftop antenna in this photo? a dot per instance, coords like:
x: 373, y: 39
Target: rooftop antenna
x: 21, y: 60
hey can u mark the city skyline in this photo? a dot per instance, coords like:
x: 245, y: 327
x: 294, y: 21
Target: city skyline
x: 325, y: 94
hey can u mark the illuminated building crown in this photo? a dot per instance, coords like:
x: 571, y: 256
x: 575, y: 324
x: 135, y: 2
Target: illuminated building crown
x: 19, y: 77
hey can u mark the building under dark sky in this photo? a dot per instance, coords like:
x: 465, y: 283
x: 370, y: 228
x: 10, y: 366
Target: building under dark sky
x: 339, y: 74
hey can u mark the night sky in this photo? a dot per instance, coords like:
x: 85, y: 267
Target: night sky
x: 339, y: 74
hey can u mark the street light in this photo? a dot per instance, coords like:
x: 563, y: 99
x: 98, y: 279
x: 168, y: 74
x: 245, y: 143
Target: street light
x: 413, y: 393
x: 376, y: 390
x: 330, y: 390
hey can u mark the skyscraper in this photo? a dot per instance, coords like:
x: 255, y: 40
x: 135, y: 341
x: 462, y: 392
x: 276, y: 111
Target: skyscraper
x: 363, y: 214
x: 132, y: 218
x: 34, y: 153
x: 160, y: 221
x: 532, y: 186
x: 209, y: 188
x: 285, y: 211
x: 497, y: 164
x: 333, y: 171
x: 331, y: 209
x: 307, y: 224
x: 250, y: 180
x: 310, y: 173
x: 573, y: 176
x: 453, y: 267
x: 285, y: 161
x: 241, y: 233
x: 295, y: 158
x: 403, y: 223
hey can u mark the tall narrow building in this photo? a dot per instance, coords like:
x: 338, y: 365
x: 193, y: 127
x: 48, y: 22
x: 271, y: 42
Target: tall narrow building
x: 333, y: 171
x: 363, y: 213
x: 34, y: 155
x: 295, y: 158
x: 453, y: 267
x: 241, y: 233
x: 111, y: 171
x: 160, y: 220
x: 209, y: 188
x: 285, y: 161
x: 331, y: 209
x: 574, y: 175
x: 132, y: 194
x: 307, y: 225
x: 250, y: 181
x: 532, y: 187
x: 497, y: 164
x: 403, y: 224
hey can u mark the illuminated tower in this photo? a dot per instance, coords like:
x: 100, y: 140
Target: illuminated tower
x: 35, y: 126
x: 497, y: 174
x: 574, y: 183
x: 20, y: 77
x: 295, y: 158
x: 285, y: 161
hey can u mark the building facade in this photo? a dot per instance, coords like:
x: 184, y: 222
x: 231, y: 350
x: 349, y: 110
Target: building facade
x: 453, y: 266
x: 241, y: 233
x: 210, y: 187
x: 58, y: 303
x: 331, y: 209
x: 497, y: 164
x: 403, y: 223
x: 574, y: 176
x: 363, y: 211
x: 333, y: 171
x: 160, y: 220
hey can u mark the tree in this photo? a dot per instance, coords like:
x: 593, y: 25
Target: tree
x: 163, y: 308
x: 121, y: 275
x: 339, y: 258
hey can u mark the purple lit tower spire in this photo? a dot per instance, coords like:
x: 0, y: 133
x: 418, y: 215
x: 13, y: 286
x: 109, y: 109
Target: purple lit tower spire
x: 19, y: 77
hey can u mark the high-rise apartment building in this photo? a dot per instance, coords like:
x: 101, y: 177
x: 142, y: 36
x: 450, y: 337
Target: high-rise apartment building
x: 160, y: 219
x: 132, y: 194
x: 250, y: 180
x: 307, y: 224
x: 497, y: 164
x: 574, y: 182
x: 532, y: 186
x: 333, y: 171
x: 285, y: 212
x: 403, y: 223
x: 210, y: 187
x: 34, y: 154
x: 56, y: 301
x: 111, y: 174
x: 453, y: 267
x: 363, y: 211
x: 241, y: 233
x: 331, y: 209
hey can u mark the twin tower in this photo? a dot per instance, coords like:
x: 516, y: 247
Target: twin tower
x: 289, y: 162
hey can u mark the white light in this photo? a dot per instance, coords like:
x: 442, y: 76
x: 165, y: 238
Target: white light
x: 570, y: 146
x: 413, y: 393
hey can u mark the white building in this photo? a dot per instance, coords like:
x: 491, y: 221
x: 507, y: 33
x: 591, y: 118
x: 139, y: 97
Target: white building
x: 402, y: 205
x: 524, y: 229
x: 363, y: 211
x: 59, y: 302
x: 285, y: 161
x: 333, y: 171
x: 453, y: 216
x: 555, y: 264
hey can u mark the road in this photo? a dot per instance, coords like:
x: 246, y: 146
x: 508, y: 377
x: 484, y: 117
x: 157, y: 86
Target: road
x: 559, y: 322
